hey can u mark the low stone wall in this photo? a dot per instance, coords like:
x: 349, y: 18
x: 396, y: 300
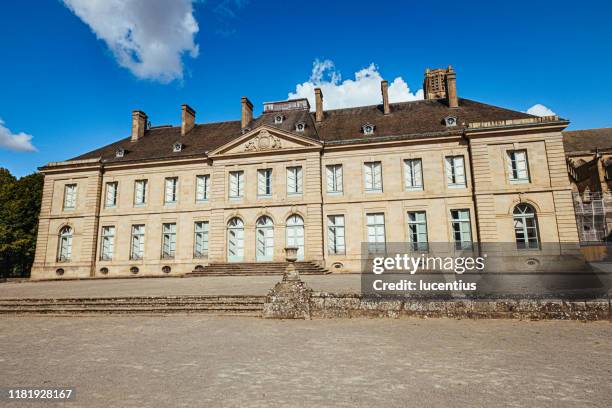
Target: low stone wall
x: 330, y: 305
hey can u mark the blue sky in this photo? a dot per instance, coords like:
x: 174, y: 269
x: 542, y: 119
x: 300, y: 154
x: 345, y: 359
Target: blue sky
x: 72, y: 91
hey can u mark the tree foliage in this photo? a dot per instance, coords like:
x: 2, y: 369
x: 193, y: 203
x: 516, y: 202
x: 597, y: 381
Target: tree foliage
x: 19, y: 210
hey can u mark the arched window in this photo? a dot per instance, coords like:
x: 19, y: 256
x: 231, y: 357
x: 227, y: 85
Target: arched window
x: 65, y: 244
x: 295, y: 234
x: 264, y: 236
x: 525, y: 227
x: 235, y: 240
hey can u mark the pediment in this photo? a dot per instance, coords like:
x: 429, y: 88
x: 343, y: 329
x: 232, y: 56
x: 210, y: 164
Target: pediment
x: 265, y: 140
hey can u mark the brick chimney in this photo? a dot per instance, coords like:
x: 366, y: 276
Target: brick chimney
x: 384, y: 89
x: 451, y: 88
x: 441, y: 83
x: 139, y: 124
x: 187, y: 119
x: 319, y: 105
x: 247, y: 112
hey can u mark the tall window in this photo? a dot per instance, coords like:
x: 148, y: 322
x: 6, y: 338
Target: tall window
x: 462, y: 229
x: 294, y: 180
x: 334, y: 178
x: 455, y: 171
x: 202, y: 187
x: 525, y: 227
x: 417, y: 230
x: 108, y: 243
x: 264, y: 182
x: 518, y: 169
x: 168, y: 240
x: 376, y: 232
x: 64, y: 252
x: 335, y: 235
x: 70, y: 196
x: 171, y: 190
x: 200, y: 241
x: 373, y: 176
x: 236, y: 184
x: 138, y: 238
x: 140, y: 192
x: 413, y: 174
x: 111, y: 194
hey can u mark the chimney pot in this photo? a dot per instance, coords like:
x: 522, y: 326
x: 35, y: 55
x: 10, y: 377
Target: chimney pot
x: 139, y: 124
x: 187, y: 119
x: 319, y: 105
x: 247, y: 112
x: 384, y: 88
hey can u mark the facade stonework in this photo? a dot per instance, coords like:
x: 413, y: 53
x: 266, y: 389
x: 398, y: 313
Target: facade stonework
x: 259, y: 185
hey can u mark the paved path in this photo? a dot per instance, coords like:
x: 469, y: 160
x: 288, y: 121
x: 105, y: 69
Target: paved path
x: 198, y: 361
x: 210, y: 285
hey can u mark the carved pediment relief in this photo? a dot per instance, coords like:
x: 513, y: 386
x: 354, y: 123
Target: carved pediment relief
x: 263, y: 141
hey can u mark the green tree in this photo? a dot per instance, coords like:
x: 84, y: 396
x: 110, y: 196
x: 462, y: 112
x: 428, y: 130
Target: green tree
x: 19, y: 210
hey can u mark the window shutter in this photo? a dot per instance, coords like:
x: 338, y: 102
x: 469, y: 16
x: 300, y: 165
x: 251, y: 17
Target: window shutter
x: 449, y: 171
x: 298, y: 180
x: 261, y: 182
x: 368, y: 176
x: 459, y: 170
x: 521, y: 164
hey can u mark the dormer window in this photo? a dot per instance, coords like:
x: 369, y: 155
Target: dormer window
x: 120, y: 152
x: 300, y: 126
x: 367, y: 129
x: 278, y: 119
x: 450, y: 121
x: 177, y: 147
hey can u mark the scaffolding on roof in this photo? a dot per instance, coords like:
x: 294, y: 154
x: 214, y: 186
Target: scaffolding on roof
x: 593, y: 214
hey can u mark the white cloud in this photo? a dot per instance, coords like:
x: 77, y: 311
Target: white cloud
x: 540, y: 110
x: 20, y: 142
x: 363, y: 90
x: 148, y: 37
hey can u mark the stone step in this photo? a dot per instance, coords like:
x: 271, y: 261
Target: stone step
x: 222, y: 305
x: 257, y: 268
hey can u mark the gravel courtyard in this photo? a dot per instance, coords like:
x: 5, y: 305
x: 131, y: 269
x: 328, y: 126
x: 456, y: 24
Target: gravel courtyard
x: 199, y: 361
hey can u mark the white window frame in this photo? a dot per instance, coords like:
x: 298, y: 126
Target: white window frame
x: 413, y: 174
x: 64, y: 249
x: 171, y: 189
x: 334, y: 178
x: 140, y: 192
x: 110, y: 197
x: 372, y: 176
x: 168, y: 240
x: 200, y: 239
x: 236, y: 184
x: 336, y: 237
x: 375, y: 233
x: 137, y: 242
x: 525, y: 227
x: 455, y: 171
x: 461, y: 227
x: 295, y: 180
x: 70, y: 196
x: 417, y: 231
x: 264, y: 183
x: 202, y: 188
x: 518, y: 168
x: 107, y: 243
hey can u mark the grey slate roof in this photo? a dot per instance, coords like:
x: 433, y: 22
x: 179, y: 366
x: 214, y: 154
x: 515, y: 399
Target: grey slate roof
x: 424, y: 117
x: 587, y: 140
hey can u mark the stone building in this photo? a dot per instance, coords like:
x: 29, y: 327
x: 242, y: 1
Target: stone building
x: 589, y: 163
x: 171, y: 199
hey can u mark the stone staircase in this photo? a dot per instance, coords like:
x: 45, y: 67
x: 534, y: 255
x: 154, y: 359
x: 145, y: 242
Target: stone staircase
x: 214, y: 305
x: 256, y: 268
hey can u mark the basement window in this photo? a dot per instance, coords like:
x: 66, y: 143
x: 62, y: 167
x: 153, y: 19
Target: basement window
x: 367, y: 129
x: 300, y: 126
x: 278, y: 119
x: 177, y: 147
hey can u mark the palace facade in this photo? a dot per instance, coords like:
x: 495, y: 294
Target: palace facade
x: 173, y: 199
